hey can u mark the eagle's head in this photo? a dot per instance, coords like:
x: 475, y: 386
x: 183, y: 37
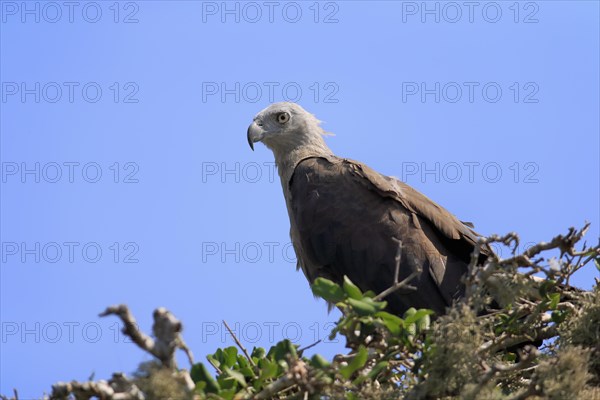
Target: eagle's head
x: 284, y: 127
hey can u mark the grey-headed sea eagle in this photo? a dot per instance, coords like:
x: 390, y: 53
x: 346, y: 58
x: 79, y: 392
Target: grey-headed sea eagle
x: 347, y: 219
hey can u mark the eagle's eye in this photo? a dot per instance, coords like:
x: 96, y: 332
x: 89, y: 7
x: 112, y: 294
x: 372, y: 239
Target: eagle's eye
x: 283, y: 117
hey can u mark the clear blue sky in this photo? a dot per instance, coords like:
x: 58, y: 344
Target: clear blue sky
x: 490, y: 110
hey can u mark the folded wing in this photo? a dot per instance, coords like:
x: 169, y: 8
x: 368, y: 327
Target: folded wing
x: 347, y: 218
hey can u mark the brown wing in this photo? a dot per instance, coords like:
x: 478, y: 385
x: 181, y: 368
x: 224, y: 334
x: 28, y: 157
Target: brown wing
x: 347, y: 216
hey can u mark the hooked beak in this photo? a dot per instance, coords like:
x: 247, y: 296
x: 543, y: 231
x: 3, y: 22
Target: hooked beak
x: 255, y: 134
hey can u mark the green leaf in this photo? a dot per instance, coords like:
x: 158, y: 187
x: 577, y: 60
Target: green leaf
x: 199, y: 373
x: 227, y: 394
x: 416, y: 315
x: 411, y: 329
x: 369, y: 293
x: 392, y: 322
x: 199, y: 387
x: 318, y: 361
x: 268, y: 368
x: 214, y: 362
x: 281, y: 350
x: 357, y: 362
x: 328, y: 290
x: 366, y: 306
x: 248, y: 372
x: 554, y: 300
x: 219, y: 356
x: 258, y: 352
x: 226, y: 382
x: 235, y: 375
x: 242, y: 361
x: 230, y: 356
x: 411, y: 311
x: 244, y: 367
x: 362, y: 307
x: 351, y: 289
x: 424, y: 323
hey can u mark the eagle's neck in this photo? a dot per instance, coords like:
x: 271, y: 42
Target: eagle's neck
x: 287, y: 161
x: 293, y: 147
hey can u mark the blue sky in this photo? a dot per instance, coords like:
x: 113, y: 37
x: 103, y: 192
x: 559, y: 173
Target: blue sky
x: 127, y: 178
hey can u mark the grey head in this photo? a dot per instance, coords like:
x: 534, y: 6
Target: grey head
x: 285, y: 127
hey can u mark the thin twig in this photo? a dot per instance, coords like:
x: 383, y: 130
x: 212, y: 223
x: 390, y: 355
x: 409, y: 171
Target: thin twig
x: 309, y: 346
x: 239, y: 344
x: 398, y: 285
x: 398, y: 258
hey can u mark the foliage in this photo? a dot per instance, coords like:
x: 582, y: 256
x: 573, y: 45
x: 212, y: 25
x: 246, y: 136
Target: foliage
x: 487, y: 346
x: 412, y: 357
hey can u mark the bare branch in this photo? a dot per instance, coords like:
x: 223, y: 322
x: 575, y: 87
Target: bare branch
x: 398, y: 285
x: 398, y: 259
x: 507, y: 341
x: 301, y: 350
x: 166, y: 329
x: 239, y: 344
x: 130, y: 328
x: 119, y: 387
x: 528, y: 355
x: 279, y: 385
